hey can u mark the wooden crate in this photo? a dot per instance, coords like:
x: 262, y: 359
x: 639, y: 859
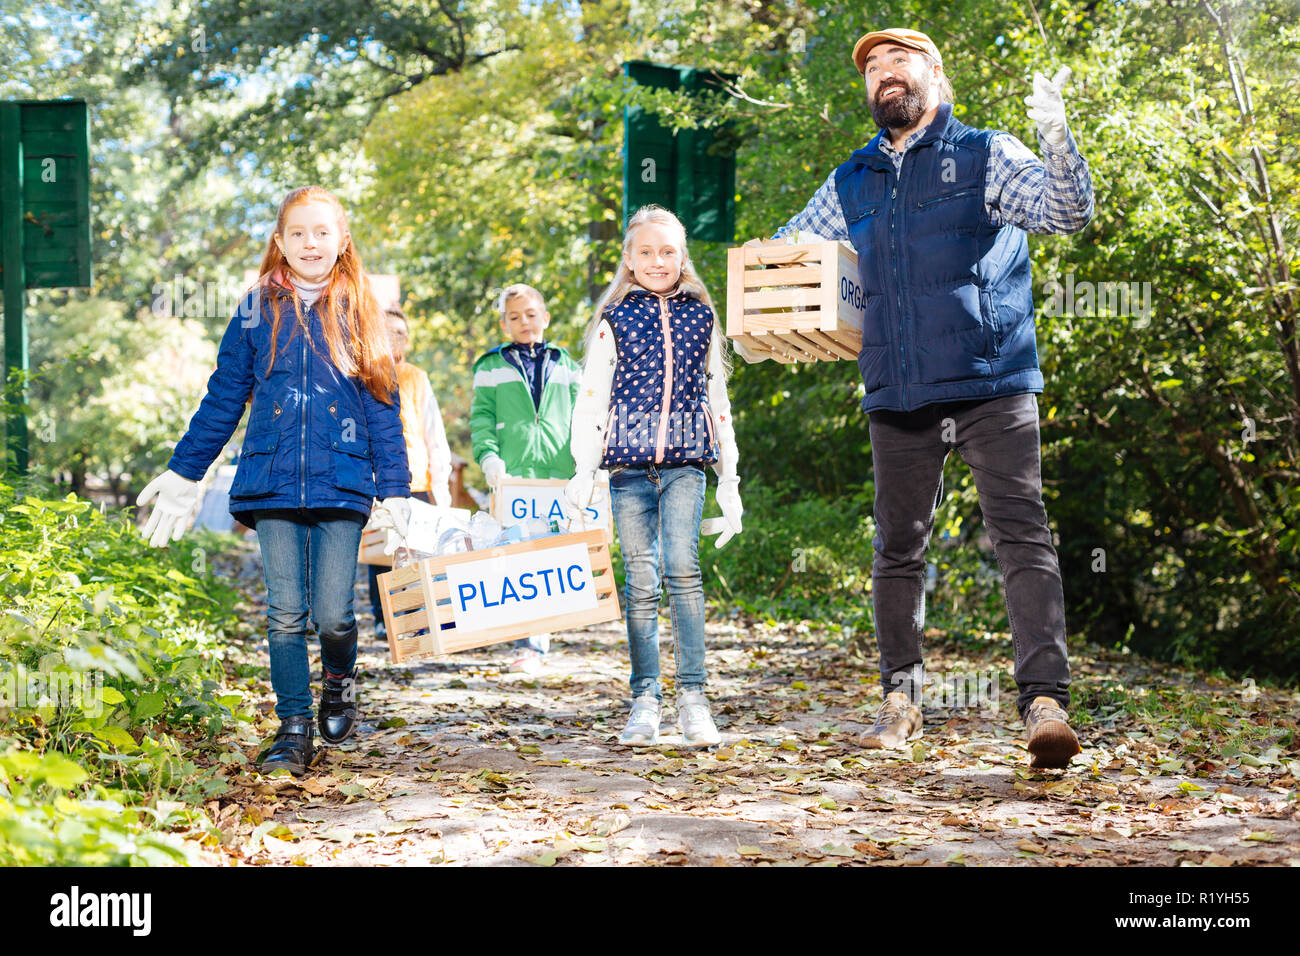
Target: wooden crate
x: 420, y: 606
x: 372, y: 548
x: 509, y: 494
x: 796, y: 303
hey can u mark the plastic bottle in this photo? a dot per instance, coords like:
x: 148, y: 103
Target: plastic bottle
x: 483, y: 530
x: 454, y: 540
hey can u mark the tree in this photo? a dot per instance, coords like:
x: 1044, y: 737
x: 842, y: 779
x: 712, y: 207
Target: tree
x: 114, y: 391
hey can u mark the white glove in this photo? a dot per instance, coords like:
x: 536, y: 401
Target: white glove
x: 442, y: 495
x: 581, y: 491
x: 1047, y: 108
x: 748, y: 354
x: 177, y: 497
x: 392, y: 513
x: 729, y: 501
x: 494, y: 469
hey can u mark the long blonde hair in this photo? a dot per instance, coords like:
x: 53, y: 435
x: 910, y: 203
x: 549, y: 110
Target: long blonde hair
x: 688, y: 281
x: 358, y: 339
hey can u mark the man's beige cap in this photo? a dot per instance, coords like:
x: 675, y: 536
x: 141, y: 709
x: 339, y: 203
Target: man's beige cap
x: 911, y: 39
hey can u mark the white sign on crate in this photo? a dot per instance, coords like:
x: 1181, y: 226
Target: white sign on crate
x: 511, y: 589
x: 519, y: 499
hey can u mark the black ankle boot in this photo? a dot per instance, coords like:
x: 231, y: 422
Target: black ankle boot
x: 293, y: 749
x: 340, y: 710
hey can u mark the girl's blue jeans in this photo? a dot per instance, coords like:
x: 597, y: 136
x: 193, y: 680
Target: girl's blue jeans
x: 310, y: 566
x: 657, y: 511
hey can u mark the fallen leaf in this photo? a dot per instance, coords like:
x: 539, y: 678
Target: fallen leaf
x: 833, y: 849
x: 614, y: 824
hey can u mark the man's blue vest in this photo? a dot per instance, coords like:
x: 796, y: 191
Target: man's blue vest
x: 949, y: 311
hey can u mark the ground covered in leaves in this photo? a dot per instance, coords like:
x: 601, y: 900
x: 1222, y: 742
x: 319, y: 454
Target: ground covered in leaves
x: 458, y: 762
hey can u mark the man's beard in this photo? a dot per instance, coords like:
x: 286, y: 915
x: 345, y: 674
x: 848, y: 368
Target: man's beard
x: 902, y: 110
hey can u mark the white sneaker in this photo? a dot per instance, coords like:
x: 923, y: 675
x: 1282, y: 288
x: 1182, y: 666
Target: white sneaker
x: 698, y: 729
x: 526, y: 661
x: 642, y: 728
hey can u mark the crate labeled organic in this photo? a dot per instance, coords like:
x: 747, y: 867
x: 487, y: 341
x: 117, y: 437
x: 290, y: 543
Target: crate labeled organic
x: 460, y: 601
x: 797, y: 302
x: 517, y: 500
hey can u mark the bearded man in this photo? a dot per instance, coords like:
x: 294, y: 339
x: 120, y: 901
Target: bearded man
x: 938, y: 212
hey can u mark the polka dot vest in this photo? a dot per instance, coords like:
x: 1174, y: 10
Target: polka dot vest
x: 659, y: 405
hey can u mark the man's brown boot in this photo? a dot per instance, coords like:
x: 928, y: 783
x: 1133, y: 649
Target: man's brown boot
x: 1047, y: 732
x: 897, y: 721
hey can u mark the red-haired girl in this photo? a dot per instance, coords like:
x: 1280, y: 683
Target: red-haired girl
x: 309, y: 351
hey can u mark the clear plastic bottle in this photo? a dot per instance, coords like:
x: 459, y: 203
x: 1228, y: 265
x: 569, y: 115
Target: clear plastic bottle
x: 483, y: 530
x: 454, y: 541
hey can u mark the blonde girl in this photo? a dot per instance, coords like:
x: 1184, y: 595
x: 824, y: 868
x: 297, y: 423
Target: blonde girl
x: 653, y: 409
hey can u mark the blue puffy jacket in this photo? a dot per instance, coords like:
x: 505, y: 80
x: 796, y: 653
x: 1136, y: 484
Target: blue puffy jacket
x: 315, y: 439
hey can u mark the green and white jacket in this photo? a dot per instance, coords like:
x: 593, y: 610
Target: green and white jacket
x: 532, y: 441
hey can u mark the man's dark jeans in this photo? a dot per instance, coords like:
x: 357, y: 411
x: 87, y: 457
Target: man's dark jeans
x: 998, y: 440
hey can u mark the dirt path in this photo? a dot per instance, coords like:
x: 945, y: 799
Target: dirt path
x: 459, y: 763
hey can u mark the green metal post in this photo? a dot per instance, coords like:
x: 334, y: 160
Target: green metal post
x: 14, y: 278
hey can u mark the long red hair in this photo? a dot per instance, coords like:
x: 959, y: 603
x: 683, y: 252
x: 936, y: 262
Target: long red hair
x: 357, y: 338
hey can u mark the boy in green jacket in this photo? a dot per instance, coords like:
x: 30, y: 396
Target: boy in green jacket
x: 524, y: 392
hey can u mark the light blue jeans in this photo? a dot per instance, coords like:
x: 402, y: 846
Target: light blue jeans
x: 657, y: 511
x: 310, y: 566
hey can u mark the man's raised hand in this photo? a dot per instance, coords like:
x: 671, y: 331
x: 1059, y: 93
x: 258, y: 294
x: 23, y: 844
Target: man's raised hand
x: 1047, y: 107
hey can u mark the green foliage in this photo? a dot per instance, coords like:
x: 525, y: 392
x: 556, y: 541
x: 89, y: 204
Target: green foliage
x: 113, y: 391
x: 1172, y: 438
x: 804, y: 558
x: 1182, y: 110
x: 481, y: 144
x: 112, y: 684
x: 798, y: 557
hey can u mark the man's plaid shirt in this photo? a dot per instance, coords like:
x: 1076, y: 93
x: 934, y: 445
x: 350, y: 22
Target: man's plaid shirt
x: 1019, y: 189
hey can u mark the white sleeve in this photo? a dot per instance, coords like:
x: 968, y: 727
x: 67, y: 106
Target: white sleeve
x: 435, y: 439
x: 720, y: 409
x: 587, y: 437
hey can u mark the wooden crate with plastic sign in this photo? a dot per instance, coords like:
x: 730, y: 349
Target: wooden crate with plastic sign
x: 452, y: 603
x: 795, y: 302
